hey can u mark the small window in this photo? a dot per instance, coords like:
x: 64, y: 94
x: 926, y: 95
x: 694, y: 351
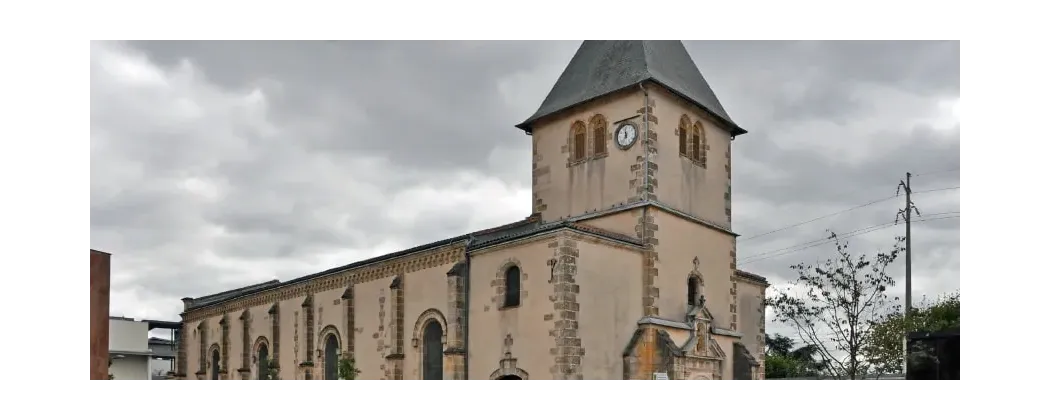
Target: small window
x: 693, y: 291
x: 579, y: 141
x: 513, y: 285
x: 215, y: 365
x: 683, y: 136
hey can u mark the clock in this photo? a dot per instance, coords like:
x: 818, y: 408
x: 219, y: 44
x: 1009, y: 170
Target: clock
x: 626, y: 134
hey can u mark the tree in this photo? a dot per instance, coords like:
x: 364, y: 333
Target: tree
x: 785, y: 361
x: 885, y: 349
x: 347, y: 370
x: 840, y: 299
x: 273, y: 371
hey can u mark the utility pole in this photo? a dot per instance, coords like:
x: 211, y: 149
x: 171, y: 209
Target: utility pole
x: 906, y: 213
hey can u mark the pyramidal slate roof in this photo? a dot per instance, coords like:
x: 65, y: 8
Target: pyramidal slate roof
x: 603, y: 67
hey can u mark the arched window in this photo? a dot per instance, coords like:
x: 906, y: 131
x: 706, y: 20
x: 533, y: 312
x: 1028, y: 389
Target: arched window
x: 693, y: 293
x: 331, y: 357
x: 432, y: 351
x: 264, y: 362
x: 683, y: 135
x: 598, y: 130
x: 579, y: 140
x: 215, y: 364
x: 513, y: 287
x: 699, y: 144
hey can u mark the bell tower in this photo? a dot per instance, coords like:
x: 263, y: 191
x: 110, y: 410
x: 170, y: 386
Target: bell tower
x: 632, y: 139
x: 595, y: 135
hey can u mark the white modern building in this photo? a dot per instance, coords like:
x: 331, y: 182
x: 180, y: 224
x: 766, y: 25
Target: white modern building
x: 134, y: 354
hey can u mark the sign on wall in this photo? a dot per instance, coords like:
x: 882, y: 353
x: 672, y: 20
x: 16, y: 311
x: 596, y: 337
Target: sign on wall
x: 660, y: 376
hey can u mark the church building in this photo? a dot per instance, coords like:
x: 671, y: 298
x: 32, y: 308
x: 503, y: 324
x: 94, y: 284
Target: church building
x: 626, y: 268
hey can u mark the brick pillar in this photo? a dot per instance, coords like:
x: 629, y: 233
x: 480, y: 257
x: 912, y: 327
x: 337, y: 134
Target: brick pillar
x: 99, y: 315
x: 202, y: 334
x: 733, y: 304
x: 397, y: 358
x: 455, y: 350
x: 246, y: 346
x: 275, y: 332
x: 348, y: 303
x: 307, y: 366
x: 224, y: 371
x: 180, y: 352
x: 567, y: 350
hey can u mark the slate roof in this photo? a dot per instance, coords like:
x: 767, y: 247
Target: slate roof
x: 603, y: 67
x: 479, y: 239
x: 273, y: 284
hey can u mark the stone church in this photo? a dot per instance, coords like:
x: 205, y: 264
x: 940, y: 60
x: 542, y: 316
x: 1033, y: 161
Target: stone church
x: 626, y: 268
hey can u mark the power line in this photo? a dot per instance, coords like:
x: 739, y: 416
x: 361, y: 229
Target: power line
x: 820, y: 218
x: 806, y: 245
x: 935, y: 190
x: 936, y: 172
x: 838, y: 213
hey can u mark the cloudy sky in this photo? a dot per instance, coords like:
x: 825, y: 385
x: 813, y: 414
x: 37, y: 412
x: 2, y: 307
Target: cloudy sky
x: 219, y: 164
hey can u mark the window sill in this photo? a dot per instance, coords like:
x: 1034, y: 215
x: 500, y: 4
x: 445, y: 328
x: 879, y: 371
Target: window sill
x: 587, y: 159
x: 702, y: 162
x: 509, y: 307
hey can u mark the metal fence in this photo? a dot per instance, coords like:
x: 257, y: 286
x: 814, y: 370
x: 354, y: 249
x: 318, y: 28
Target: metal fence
x: 868, y: 379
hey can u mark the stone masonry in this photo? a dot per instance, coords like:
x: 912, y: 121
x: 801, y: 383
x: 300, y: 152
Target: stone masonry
x: 225, y: 325
x: 455, y: 349
x: 733, y: 301
x: 246, y: 336
x: 645, y: 185
x: 568, y: 351
x: 275, y: 326
x: 348, y: 302
x: 202, y: 369
x: 308, y: 313
x: 397, y: 358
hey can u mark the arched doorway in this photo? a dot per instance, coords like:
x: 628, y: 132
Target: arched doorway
x: 432, y: 351
x: 331, y: 357
x: 508, y: 377
x: 264, y: 362
x: 215, y: 365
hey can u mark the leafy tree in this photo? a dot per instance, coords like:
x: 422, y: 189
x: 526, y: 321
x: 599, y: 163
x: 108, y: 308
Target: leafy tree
x: 347, y: 369
x: 273, y: 371
x: 840, y: 299
x: 885, y: 349
x: 785, y: 361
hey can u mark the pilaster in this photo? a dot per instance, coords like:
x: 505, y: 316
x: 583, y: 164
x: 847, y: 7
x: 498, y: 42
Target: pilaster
x: 455, y: 349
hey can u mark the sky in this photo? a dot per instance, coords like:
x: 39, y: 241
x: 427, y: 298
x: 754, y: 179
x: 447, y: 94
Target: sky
x: 220, y: 164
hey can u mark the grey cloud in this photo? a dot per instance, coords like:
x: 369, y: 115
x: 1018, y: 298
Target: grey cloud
x: 256, y: 160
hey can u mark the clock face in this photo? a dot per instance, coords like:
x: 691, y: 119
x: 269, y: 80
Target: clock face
x: 626, y: 135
